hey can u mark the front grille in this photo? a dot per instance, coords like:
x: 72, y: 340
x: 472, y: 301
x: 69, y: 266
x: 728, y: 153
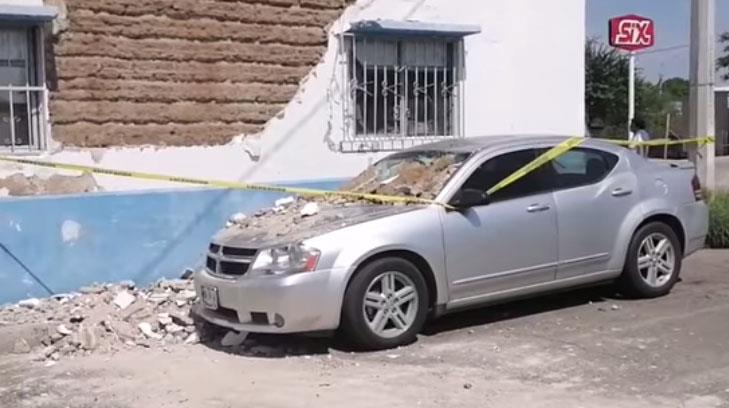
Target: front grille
x: 238, y: 251
x: 233, y: 268
x: 212, y: 264
x: 229, y: 261
x: 259, y: 318
x: 227, y: 314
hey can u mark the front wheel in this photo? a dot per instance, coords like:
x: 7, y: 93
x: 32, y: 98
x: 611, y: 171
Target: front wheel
x: 653, y: 262
x: 385, y: 304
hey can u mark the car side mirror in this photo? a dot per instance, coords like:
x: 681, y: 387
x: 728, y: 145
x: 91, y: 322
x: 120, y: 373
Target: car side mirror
x: 470, y: 197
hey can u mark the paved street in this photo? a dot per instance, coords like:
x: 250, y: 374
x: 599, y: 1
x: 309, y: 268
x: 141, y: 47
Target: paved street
x: 587, y: 348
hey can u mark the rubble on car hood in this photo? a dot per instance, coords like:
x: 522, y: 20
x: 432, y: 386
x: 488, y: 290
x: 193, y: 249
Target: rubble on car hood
x: 408, y: 174
x: 420, y: 176
x: 300, y: 220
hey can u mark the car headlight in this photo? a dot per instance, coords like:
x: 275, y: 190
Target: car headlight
x: 285, y: 260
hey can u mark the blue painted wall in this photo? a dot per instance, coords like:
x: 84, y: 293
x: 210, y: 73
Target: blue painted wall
x: 112, y: 237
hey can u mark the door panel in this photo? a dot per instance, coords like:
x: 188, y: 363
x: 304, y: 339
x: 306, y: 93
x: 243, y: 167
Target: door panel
x: 509, y: 242
x: 590, y: 215
x: 500, y: 246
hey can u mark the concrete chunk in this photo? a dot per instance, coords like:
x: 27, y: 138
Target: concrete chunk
x: 309, y: 209
x: 233, y: 339
x: 87, y: 338
x: 193, y: 338
x: 92, y: 290
x: 238, y: 218
x: 21, y: 346
x: 146, y: 329
x: 174, y: 329
x: 129, y: 284
x: 164, y: 319
x: 187, y: 294
x: 124, y: 299
x: 31, y: 303
x: 284, y: 202
x: 181, y: 319
x: 159, y: 297
x: 62, y: 329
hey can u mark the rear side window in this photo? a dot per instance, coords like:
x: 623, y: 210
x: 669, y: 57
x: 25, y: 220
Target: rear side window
x: 579, y: 167
x: 498, y: 168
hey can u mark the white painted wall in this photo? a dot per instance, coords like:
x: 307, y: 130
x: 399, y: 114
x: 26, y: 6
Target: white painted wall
x: 524, y: 74
x: 21, y: 2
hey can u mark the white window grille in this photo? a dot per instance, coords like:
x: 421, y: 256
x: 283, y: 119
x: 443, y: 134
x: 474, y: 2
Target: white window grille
x: 23, y: 95
x: 401, y: 92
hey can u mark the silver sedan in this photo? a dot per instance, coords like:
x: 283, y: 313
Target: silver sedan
x: 599, y: 213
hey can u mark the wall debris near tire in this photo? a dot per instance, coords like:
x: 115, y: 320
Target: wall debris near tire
x: 179, y: 72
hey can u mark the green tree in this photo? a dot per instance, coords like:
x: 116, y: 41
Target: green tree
x: 723, y: 62
x: 676, y: 89
x: 606, y: 89
x: 606, y: 94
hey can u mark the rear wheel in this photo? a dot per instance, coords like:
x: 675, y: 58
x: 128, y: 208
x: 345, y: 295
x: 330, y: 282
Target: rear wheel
x: 385, y: 304
x: 653, y: 262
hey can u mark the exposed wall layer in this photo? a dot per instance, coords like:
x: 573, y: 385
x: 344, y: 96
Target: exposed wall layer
x: 180, y: 72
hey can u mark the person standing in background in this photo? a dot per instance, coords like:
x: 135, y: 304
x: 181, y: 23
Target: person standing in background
x: 638, y: 133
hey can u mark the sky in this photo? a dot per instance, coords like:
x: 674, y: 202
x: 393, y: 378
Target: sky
x: 672, y: 19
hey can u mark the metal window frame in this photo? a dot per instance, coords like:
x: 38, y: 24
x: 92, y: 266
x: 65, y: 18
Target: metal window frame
x: 36, y: 96
x: 722, y: 135
x: 407, y: 134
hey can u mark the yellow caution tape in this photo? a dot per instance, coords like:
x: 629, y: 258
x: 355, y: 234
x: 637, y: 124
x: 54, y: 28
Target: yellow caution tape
x: 701, y: 141
x: 548, y: 156
x: 573, y: 142
x: 224, y: 184
x: 544, y: 158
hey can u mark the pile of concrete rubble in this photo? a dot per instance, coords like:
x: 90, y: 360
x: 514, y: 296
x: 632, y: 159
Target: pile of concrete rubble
x: 288, y: 216
x: 293, y: 217
x: 421, y: 177
x: 19, y: 184
x: 104, y: 318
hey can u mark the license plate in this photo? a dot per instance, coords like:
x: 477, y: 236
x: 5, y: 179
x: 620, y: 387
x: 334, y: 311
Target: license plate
x: 209, y: 297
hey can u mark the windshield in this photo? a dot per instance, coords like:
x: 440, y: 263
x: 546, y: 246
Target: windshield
x: 419, y: 174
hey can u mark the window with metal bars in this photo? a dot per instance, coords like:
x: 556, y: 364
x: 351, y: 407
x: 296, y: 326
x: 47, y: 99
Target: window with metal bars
x: 400, y: 91
x: 22, y: 94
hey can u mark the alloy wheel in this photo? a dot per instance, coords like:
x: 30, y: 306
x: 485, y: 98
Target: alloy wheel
x: 390, y: 304
x: 656, y: 260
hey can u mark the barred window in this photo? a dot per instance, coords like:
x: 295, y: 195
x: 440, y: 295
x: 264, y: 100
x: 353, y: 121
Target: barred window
x: 22, y: 96
x: 401, y: 91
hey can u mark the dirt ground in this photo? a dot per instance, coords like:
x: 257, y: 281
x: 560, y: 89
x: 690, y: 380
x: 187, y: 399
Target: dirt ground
x: 587, y: 348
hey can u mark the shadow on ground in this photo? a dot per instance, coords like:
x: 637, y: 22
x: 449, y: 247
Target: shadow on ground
x: 280, y: 346
x: 520, y: 308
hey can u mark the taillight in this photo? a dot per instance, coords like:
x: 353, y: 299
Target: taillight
x: 696, y: 186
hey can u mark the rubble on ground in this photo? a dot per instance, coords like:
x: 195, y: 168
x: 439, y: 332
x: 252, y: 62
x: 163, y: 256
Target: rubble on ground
x: 106, y: 318
x: 19, y: 184
x: 95, y: 320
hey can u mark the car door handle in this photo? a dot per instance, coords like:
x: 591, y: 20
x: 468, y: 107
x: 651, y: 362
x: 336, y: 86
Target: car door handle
x: 537, y: 208
x: 620, y: 192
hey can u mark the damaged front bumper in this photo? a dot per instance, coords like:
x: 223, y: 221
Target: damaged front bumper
x: 309, y: 301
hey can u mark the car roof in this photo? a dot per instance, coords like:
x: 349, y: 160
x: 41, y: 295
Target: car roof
x: 480, y: 143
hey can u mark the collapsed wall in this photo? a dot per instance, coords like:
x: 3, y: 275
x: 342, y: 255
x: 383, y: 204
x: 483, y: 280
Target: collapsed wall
x: 179, y: 72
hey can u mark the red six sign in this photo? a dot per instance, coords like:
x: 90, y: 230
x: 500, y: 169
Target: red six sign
x: 632, y: 32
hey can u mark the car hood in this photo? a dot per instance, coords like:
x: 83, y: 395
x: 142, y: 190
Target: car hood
x: 281, y: 226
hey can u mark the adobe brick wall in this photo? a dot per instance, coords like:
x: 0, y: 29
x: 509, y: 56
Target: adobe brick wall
x: 180, y: 72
